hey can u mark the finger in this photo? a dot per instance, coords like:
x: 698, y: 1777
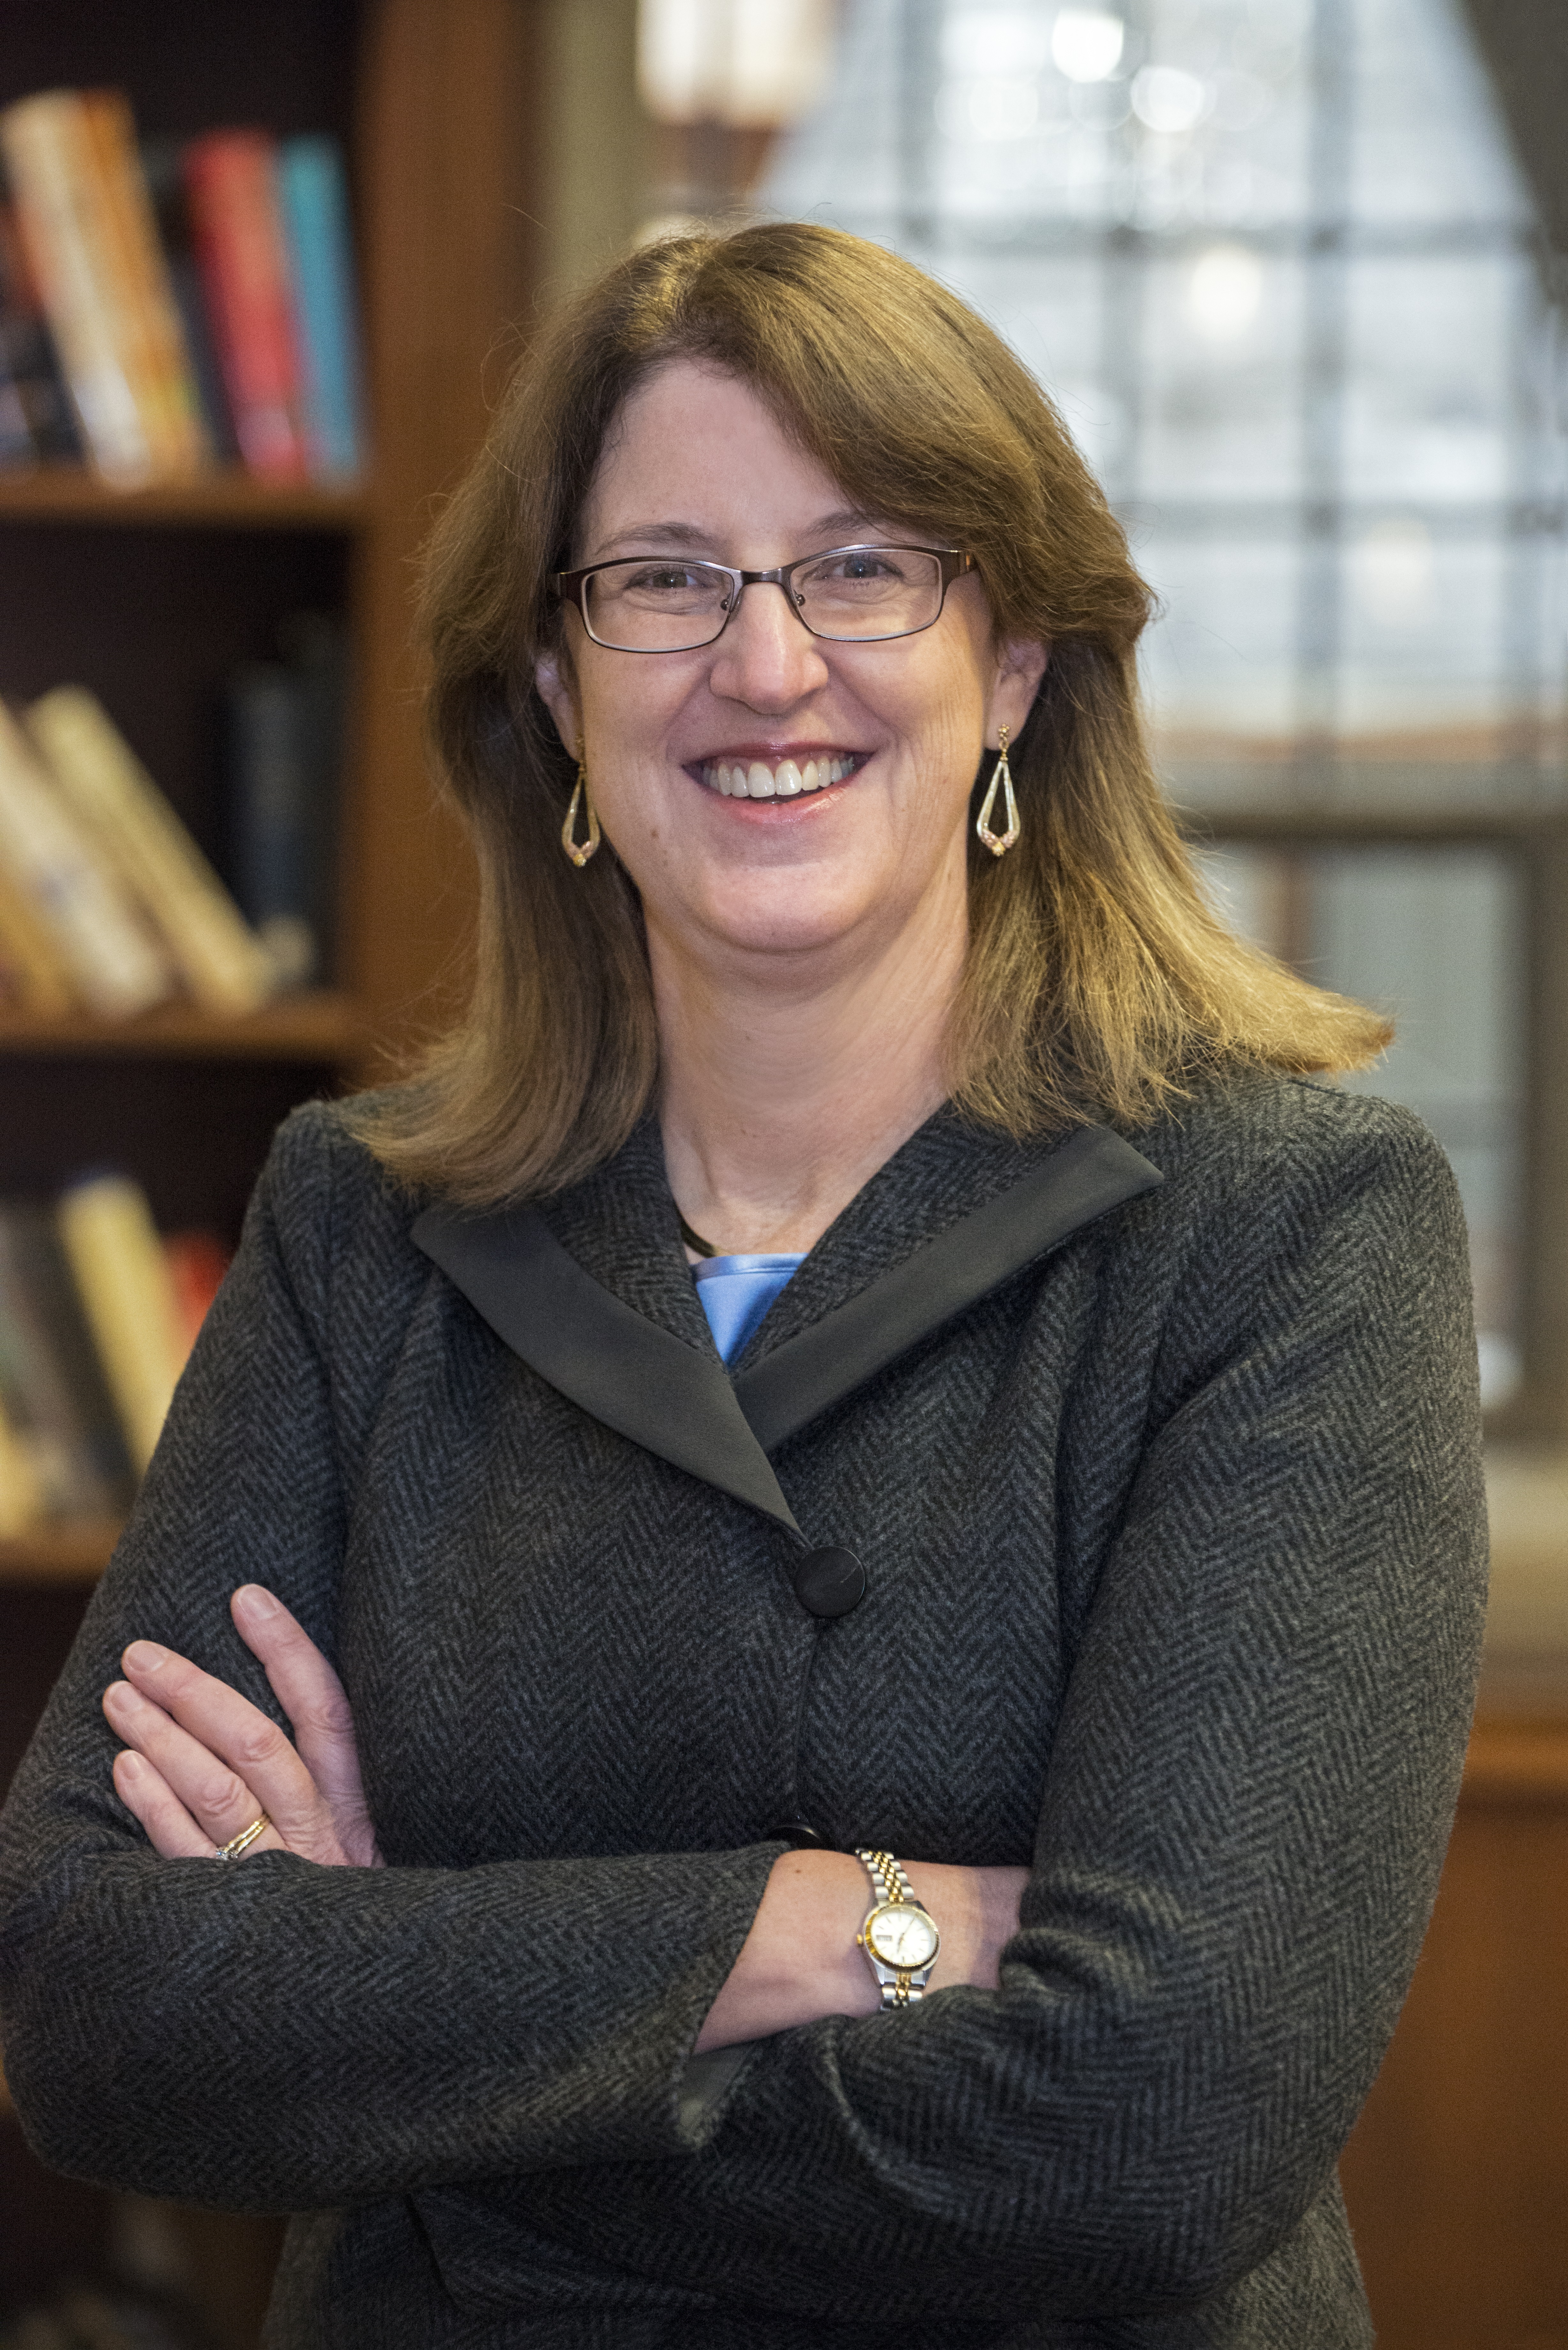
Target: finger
x: 170, y: 1829
x: 215, y: 1797
x: 305, y: 1685
x: 318, y: 1707
x: 232, y: 1731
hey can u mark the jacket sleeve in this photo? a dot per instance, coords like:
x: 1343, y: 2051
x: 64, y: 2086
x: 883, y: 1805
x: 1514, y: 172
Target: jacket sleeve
x: 1243, y: 1822
x: 163, y: 2021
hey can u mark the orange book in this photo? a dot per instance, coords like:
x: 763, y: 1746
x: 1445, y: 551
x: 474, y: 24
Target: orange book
x: 165, y: 387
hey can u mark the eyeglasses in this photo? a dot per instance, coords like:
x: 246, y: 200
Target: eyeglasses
x: 851, y: 594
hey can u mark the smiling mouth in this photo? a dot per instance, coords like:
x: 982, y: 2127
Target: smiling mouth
x: 782, y: 779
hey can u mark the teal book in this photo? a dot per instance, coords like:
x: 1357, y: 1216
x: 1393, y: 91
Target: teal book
x: 321, y: 258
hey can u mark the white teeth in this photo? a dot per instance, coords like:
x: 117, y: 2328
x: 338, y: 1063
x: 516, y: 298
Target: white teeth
x: 759, y: 782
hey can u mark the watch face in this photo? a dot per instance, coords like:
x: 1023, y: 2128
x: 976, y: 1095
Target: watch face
x: 902, y: 1937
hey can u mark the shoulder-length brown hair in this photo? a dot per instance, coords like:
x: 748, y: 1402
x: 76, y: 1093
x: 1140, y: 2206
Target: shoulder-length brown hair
x: 1097, y: 983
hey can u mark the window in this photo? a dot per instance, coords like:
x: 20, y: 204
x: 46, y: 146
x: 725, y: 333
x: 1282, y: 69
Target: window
x: 1277, y: 266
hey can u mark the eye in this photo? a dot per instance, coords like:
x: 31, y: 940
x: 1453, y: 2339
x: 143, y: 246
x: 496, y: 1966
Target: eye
x: 854, y: 576
x: 865, y: 563
x: 666, y: 579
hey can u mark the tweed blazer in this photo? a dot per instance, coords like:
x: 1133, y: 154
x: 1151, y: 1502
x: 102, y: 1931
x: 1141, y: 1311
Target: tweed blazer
x: 1160, y: 1456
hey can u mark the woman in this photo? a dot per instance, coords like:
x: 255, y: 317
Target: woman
x: 1084, y: 1527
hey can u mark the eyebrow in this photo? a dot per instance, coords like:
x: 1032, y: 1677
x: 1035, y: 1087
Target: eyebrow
x: 690, y: 535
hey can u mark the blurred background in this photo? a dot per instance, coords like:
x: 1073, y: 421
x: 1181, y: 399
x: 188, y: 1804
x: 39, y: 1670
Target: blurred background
x: 1294, y: 273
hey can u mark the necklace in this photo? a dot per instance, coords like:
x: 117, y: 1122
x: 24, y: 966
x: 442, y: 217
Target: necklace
x: 694, y: 1240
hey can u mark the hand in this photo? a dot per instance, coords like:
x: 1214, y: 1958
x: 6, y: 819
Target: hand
x: 801, y: 1961
x: 201, y: 1762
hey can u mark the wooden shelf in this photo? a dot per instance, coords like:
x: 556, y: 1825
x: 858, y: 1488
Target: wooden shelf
x: 219, y: 501
x: 1518, y: 1762
x: 75, y: 1553
x: 321, y: 1026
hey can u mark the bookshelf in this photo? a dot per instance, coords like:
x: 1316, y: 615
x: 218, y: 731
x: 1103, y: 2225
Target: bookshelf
x: 218, y: 501
x: 325, y: 1025
x: 73, y: 1556
x: 150, y: 596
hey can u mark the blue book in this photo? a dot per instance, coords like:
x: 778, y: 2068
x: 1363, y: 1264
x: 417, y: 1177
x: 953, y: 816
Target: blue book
x: 321, y: 258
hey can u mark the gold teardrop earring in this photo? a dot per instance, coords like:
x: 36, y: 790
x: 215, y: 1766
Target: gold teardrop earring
x: 580, y: 851
x: 999, y: 843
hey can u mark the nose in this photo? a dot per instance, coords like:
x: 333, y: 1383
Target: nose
x: 766, y: 657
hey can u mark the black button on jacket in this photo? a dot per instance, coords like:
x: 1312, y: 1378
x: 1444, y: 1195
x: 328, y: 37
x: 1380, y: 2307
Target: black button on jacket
x: 1160, y: 1456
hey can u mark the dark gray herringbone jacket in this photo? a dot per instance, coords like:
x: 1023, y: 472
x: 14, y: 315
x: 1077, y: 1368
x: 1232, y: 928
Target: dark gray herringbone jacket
x: 1168, y: 1496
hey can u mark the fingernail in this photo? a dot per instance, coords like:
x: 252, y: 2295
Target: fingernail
x: 119, y: 1697
x: 129, y: 1764
x: 145, y: 1657
x: 256, y: 1600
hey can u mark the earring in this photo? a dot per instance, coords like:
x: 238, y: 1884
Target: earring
x: 999, y: 843
x: 580, y: 851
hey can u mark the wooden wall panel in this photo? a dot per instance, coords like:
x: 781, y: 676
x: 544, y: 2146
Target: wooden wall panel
x: 445, y: 143
x: 1457, y: 2177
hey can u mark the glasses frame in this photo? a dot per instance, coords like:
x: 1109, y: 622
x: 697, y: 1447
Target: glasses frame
x: 572, y: 587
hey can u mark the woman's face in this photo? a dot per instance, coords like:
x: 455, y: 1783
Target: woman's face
x: 698, y: 466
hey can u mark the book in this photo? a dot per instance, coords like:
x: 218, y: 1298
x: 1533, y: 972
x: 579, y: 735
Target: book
x: 285, y: 748
x: 197, y: 1264
x: 166, y: 392
x: 114, y: 965
x: 122, y: 1275
x: 223, y: 964
x: 321, y: 256
x: 29, y: 364
x: 231, y: 183
x: 16, y: 438
x: 38, y: 978
x: 21, y: 1495
x: 162, y: 170
x: 52, y: 1383
x: 50, y: 158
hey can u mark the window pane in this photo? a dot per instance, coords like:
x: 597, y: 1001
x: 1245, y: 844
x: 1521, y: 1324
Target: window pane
x: 1431, y: 354
x: 1432, y: 936
x: 1428, y: 142
x: 1220, y: 373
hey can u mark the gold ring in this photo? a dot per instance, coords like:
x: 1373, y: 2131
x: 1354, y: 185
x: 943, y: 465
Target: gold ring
x: 244, y: 1842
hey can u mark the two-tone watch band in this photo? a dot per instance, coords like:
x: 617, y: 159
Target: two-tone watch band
x: 898, y: 1935
x: 887, y: 1875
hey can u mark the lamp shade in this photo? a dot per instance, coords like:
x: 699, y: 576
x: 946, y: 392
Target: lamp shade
x: 752, y: 64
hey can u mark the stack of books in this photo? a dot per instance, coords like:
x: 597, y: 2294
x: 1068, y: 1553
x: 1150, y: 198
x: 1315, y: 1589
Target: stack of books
x: 107, y: 904
x: 169, y: 308
x: 96, y: 1318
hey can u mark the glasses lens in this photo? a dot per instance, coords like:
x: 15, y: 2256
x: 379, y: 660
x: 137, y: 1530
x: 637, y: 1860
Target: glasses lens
x: 869, y: 591
x: 663, y: 607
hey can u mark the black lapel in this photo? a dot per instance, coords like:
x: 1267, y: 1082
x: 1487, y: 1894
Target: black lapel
x: 1083, y: 1178
x: 679, y: 1403
x: 625, y: 1370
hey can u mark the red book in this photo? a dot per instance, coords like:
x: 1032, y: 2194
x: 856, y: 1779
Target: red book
x: 231, y: 180
x: 197, y: 1262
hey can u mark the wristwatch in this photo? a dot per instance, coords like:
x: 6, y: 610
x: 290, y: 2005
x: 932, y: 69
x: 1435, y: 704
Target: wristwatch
x: 899, y: 1936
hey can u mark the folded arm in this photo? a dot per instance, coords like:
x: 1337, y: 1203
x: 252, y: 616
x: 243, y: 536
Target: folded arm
x: 246, y: 2016
x: 1243, y: 1822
